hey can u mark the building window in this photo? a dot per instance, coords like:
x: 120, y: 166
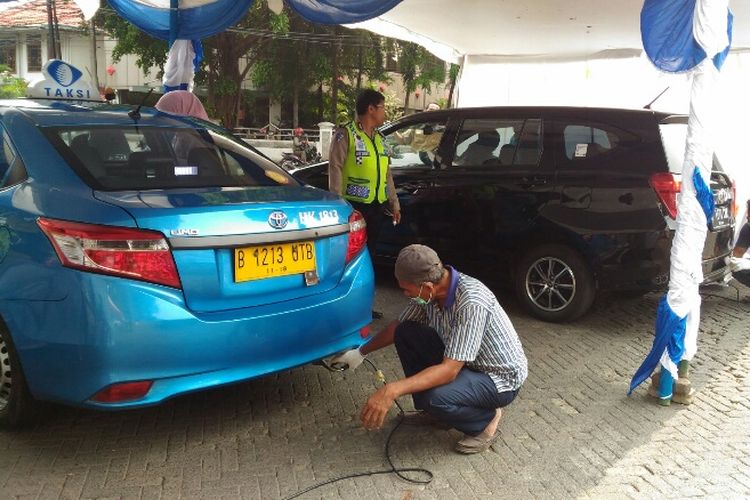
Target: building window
x: 33, y: 53
x: 8, y: 53
x: 391, y: 61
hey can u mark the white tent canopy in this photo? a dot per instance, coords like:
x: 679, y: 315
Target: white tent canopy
x: 571, y: 52
x: 528, y: 30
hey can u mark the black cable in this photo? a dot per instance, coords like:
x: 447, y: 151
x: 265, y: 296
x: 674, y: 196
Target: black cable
x: 399, y: 471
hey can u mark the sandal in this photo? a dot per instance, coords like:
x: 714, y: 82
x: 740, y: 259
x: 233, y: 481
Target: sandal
x: 475, y: 444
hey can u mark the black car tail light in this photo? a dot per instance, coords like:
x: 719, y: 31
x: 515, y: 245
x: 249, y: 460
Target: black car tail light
x: 667, y: 185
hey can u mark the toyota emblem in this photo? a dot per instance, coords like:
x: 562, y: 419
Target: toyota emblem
x: 277, y: 220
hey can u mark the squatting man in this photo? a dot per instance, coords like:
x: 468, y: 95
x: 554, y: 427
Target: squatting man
x: 462, y: 357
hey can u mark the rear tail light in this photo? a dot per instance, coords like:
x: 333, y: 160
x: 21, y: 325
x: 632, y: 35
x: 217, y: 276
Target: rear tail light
x: 667, y: 185
x: 357, y: 235
x: 118, y: 251
x: 735, y: 206
x: 126, y: 391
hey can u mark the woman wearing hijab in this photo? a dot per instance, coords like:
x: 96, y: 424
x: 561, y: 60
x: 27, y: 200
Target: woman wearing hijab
x: 182, y: 102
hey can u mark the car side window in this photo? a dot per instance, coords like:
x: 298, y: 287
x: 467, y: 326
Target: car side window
x: 586, y: 141
x: 414, y: 145
x: 12, y: 169
x: 7, y: 155
x: 499, y: 142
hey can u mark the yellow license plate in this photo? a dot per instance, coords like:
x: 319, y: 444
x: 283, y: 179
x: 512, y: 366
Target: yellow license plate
x: 268, y: 261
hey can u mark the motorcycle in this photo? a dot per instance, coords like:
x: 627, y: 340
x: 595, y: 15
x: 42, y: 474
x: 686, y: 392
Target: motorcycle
x: 304, y: 153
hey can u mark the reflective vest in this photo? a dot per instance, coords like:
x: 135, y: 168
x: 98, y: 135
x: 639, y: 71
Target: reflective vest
x: 365, y: 169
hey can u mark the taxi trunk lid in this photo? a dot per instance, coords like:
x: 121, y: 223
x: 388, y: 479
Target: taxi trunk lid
x: 246, y: 246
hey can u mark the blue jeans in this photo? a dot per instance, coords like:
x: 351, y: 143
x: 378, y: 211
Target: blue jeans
x: 468, y: 403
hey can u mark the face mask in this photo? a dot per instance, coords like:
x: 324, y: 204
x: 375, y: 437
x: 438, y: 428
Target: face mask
x: 419, y: 300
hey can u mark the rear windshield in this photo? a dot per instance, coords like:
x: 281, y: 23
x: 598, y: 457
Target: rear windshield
x: 673, y: 137
x: 131, y: 157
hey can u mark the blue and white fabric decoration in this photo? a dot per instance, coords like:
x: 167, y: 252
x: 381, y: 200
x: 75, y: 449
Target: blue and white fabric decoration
x: 183, y: 23
x: 183, y: 61
x: 678, y: 36
x: 340, y: 11
x: 196, y: 19
x: 190, y: 20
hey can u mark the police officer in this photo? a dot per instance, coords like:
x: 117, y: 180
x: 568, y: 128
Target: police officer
x: 358, y: 168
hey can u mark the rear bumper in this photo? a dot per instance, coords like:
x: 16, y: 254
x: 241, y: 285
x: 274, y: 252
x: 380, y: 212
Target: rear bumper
x: 642, y: 262
x: 114, y: 330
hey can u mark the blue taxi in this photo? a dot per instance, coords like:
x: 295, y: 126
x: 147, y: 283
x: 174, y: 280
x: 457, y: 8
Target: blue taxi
x: 145, y: 255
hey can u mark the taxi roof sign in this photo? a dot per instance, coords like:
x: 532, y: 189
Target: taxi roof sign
x: 63, y: 81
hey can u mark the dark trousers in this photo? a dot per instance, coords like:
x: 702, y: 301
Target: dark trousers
x: 374, y: 217
x: 468, y: 403
x: 742, y: 276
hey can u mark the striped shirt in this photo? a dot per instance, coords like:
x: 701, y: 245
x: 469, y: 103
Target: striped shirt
x: 476, y: 330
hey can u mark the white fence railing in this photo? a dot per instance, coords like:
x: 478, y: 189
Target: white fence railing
x: 271, y: 131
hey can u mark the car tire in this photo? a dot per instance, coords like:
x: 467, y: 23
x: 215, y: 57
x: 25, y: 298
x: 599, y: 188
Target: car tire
x: 554, y: 283
x: 17, y: 407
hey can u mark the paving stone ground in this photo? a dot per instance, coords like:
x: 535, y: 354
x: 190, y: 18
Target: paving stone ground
x: 571, y: 433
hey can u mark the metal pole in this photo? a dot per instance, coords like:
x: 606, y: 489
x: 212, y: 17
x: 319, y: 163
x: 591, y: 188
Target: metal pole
x: 94, y: 61
x: 56, y: 28
x: 174, y: 20
x: 50, y: 32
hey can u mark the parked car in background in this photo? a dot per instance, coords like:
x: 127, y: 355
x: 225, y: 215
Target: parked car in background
x: 559, y: 202
x: 145, y: 255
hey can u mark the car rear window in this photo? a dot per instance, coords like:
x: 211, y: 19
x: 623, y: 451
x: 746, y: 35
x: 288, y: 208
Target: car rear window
x: 673, y: 137
x: 135, y: 157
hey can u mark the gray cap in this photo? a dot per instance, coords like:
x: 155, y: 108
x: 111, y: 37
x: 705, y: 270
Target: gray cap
x: 418, y: 264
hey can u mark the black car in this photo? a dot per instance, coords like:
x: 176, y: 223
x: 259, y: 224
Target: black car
x: 559, y: 201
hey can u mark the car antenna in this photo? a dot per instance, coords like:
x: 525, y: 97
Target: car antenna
x: 648, y: 106
x: 135, y: 114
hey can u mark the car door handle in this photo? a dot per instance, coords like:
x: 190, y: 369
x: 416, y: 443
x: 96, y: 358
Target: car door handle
x: 532, y: 180
x: 412, y: 187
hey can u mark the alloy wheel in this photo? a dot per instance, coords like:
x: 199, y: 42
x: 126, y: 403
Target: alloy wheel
x: 550, y: 284
x: 5, y: 374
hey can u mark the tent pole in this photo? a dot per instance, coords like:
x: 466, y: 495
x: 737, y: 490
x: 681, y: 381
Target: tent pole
x: 174, y: 6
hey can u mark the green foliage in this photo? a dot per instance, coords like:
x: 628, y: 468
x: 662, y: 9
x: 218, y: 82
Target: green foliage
x: 393, y: 109
x: 418, y: 67
x: 149, y: 51
x: 10, y: 85
x: 453, y: 72
x: 288, y: 65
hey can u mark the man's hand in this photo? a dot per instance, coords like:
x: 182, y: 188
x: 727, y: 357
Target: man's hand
x: 374, y: 412
x: 349, y: 360
x: 396, y: 217
x: 739, y: 264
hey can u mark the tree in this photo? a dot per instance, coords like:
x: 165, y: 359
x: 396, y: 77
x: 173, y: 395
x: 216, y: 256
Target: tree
x: 418, y: 68
x: 149, y: 51
x: 452, y: 79
x: 222, y: 55
x: 308, y: 56
x: 10, y: 85
x: 287, y: 56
